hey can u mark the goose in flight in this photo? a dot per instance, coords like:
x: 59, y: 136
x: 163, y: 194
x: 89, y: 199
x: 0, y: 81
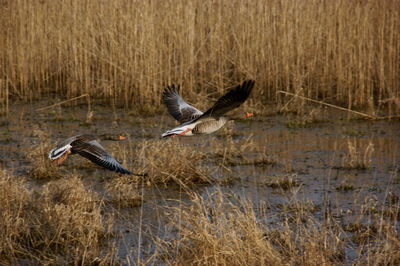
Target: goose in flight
x: 194, y: 121
x: 87, y: 146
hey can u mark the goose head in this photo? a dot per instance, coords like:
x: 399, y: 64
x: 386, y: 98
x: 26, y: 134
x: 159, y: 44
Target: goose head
x: 60, y: 154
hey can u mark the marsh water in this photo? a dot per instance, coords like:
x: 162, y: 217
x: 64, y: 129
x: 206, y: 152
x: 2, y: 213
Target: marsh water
x: 316, y: 155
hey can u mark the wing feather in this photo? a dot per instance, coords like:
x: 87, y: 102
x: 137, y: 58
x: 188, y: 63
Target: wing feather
x: 93, y: 151
x: 229, y: 101
x: 177, y: 107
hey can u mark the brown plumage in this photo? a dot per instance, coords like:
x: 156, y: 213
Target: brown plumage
x: 192, y: 120
x: 87, y: 146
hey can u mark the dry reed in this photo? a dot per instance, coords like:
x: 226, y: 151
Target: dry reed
x: 284, y: 182
x: 61, y: 225
x: 65, y: 224
x: 244, y: 151
x: 42, y: 167
x: 173, y: 162
x: 124, y: 191
x: 359, y: 155
x: 219, y: 232
x: 343, y: 52
x: 223, y: 229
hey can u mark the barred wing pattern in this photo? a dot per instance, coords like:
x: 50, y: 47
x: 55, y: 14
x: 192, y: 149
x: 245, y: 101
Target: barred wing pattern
x: 88, y: 147
x: 229, y: 101
x: 177, y: 106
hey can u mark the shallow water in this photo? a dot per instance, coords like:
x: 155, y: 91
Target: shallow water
x: 313, y: 155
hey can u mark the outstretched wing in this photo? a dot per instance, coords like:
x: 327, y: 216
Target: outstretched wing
x: 177, y: 107
x: 88, y: 147
x: 231, y: 100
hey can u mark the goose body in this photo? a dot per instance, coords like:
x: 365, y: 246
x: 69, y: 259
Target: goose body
x: 194, y: 121
x: 87, y: 146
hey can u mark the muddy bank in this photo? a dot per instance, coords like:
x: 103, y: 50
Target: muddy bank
x: 330, y: 165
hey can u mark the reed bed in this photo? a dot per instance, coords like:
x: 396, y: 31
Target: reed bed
x: 124, y: 191
x: 225, y: 229
x: 124, y: 52
x: 67, y: 223
x: 173, y: 162
x: 244, y: 151
x: 63, y: 224
x: 359, y: 155
x: 42, y: 166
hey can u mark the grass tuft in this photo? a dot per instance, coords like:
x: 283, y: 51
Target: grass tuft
x: 61, y: 225
x: 217, y: 231
x: 170, y: 161
x: 124, y: 191
x: 345, y: 186
x: 358, y: 156
x: 243, y: 151
x: 42, y: 166
x: 284, y: 182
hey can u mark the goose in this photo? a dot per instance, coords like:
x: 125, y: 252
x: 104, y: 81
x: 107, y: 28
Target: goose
x: 87, y: 146
x: 195, y: 122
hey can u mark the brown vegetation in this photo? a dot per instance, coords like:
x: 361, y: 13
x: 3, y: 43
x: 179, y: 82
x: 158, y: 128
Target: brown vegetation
x: 284, y: 182
x: 68, y: 224
x: 225, y: 230
x: 219, y: 232
x: 166, y: 162
x: 124, y: 191
x: 359, y: 155
x: 244, y: 151
x: 42, y: 167
x: 61, y: 225
x: 344, y: 52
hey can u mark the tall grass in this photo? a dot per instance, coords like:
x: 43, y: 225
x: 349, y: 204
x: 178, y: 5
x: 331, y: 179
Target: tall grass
x: 124, y: 51
x: 222, y: 229
x: 62, y: 225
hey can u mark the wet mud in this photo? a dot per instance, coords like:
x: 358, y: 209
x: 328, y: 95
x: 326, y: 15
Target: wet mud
x: 335, y: 161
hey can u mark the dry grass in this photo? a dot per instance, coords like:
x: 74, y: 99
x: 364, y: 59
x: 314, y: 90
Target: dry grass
x: 358, y: 156
x: 124, y: 191
x: 297, y: 211
x: 305, y: 119
x: 66, y: 224
x: 344, y: 52
x: 218, y: 232
x: 345, y: 186
x: 243, y: 151
x: 225, y: 230
x: 284, y: 182
x: 42, y: 167
x: 61, y: 225
x: 170, y: 161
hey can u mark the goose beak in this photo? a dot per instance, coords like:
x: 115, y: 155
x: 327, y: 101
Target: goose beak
x: 121, y: 137
x: 249, y: 115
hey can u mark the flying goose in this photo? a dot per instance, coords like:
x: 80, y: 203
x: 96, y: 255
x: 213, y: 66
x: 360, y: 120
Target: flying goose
x: 194, y: 121
x: 87, y: 146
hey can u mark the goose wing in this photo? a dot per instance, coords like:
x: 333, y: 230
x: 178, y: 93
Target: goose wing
x: 88, y: 147
x: 61, y: 148
x: 231, y: 100
x: 177, y: 106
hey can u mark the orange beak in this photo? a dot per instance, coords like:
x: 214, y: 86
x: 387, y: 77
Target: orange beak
x: 121, y: 137
x: 249, y: 115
